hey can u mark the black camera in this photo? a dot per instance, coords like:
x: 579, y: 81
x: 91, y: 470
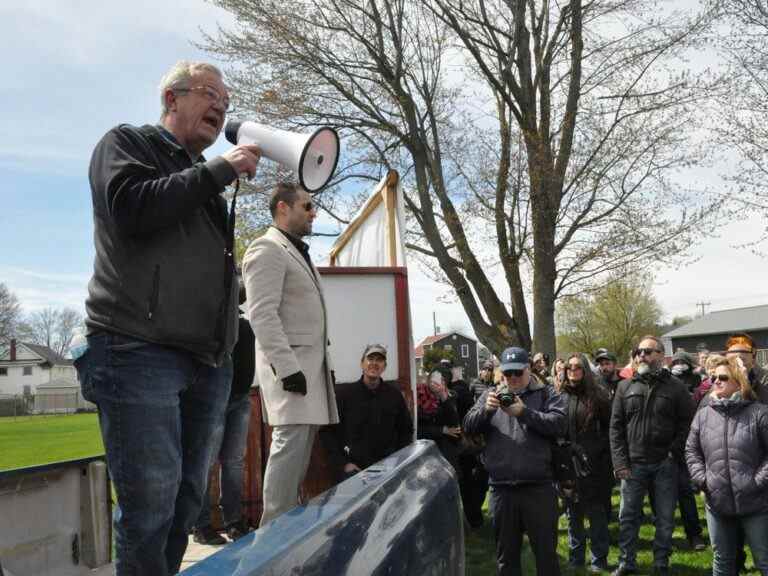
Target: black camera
x: 506, y: 398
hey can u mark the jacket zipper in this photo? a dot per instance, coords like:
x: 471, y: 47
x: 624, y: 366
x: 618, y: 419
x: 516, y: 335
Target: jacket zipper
x: 155, y: 291
x: 727, y: 459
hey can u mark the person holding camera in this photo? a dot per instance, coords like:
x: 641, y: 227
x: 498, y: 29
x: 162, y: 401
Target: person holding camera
x: 520, y: 418
x: 589, y: 415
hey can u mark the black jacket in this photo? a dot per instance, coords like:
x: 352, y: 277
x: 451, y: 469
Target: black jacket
x: 518, y: 450
x: 372, y: 425
x: 727, y: 456
x: 650, y: 419
x: 160, y: 230
x: 588, y: 427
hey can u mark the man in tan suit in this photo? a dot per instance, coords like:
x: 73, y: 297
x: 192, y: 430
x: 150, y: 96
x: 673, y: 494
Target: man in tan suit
x: 287, y: 313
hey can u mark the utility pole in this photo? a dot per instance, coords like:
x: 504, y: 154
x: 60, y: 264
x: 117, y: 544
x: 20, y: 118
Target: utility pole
x: 703, y: 304
x: 434, y: 323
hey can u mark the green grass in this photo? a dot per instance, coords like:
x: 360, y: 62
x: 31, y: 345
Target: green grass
x: 480, y: 549
x: 33, y: 440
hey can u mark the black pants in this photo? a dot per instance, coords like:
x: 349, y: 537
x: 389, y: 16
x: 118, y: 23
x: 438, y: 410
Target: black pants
x: 529, y: 508
x: 473, y: 485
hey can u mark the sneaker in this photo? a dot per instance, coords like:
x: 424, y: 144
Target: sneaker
x: 623, y: 571
x: 208, y: 536
x: 697, y: 543
x: 237, y: 530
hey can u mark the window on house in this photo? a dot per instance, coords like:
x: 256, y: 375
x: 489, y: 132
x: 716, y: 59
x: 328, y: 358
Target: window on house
x: 27, y: 371
x: 448, y: 347
x: 465, y: 350
x: 27, y: 390
x: 3, y: 371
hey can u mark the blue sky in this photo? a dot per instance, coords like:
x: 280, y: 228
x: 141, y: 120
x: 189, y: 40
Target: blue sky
x: 75, y: 68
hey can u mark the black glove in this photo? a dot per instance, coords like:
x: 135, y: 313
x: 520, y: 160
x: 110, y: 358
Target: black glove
x: 296, y: 382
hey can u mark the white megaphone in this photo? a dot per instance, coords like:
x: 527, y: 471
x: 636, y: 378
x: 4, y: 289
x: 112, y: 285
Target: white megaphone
x: 312, y: 156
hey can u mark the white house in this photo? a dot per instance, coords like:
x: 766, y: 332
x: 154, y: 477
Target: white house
x: 24, y: 367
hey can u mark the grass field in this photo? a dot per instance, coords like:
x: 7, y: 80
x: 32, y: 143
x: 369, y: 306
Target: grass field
x: 480, y: 550
x: 32, y: 440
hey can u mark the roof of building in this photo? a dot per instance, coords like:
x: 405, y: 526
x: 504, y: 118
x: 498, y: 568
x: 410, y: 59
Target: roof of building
x: 59, y: 383
x: 725, y: 322
x: 429, y: 340
x: 47, y: 354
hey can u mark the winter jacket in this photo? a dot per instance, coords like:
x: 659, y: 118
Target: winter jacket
x: 650, y: 419
x: 518, y: 450
x: 430, y: 427
x: 727, y: 456
x: 758, y: 379
x: 588, y: 427
x: 478, y: 386
x: 160, y: 272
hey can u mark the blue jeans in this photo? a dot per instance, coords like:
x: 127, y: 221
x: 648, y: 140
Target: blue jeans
x: 594, y: 510
x: 158, y: 409
x: 723, y: 533
x: 661, y: 477
x: 230, y: 439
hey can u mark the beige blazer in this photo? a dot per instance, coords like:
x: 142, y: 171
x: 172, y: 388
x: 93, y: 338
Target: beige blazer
x: 286, y: 309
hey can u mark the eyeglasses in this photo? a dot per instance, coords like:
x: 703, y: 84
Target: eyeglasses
x: 516, y: 373
x: 211, y: 94
x: 646, y: 351
x: 574, y: 368
x: 722, y: 377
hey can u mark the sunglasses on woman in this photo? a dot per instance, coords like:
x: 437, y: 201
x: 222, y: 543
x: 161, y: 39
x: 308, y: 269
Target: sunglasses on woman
x: 722, y: 377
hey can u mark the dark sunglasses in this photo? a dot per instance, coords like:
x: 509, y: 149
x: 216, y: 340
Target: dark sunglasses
x: 722, y: 377
x: 646, y: 351
x: 516, y: 373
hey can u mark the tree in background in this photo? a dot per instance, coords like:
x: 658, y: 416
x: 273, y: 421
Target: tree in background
x: 432, y: 357
x: 742, y: 106
x: 51, y: 327
x: 10, y: 313
x: 614, y: 316
x: 535, y: 140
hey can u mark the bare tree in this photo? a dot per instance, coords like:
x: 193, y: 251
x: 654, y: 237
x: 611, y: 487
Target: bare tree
x: 742, y: 106
x: 10, y: 313
x: 52, y: 327
x: 536, y: 140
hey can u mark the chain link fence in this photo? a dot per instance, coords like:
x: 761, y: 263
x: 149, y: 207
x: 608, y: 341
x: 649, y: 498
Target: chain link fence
x: 44, y: 403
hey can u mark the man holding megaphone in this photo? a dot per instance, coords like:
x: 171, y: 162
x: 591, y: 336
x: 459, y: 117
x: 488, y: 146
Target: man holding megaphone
x: 162, y: 312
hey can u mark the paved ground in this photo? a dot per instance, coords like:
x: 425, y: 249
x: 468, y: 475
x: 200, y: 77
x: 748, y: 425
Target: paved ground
x: 196, y: 552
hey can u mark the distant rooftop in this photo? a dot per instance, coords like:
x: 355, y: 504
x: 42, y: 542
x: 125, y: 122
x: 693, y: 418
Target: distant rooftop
x: 747, y: 319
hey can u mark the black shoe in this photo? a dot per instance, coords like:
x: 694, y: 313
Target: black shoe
x: 697, y: 543
x: 623, y: 571
x: 237, y: 530
x: 660, y: 571
x: 208, y: 536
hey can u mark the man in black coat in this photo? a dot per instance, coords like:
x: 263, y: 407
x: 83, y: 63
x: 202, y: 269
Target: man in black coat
x: 649, y: 425
x: 374, y: 421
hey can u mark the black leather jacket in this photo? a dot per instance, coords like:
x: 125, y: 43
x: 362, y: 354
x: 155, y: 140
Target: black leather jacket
x: 650, y: 419
x: 160, y: 230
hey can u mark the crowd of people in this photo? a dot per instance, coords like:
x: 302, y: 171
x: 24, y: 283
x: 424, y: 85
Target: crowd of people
x: 163, y: 317
x: 557, y: 439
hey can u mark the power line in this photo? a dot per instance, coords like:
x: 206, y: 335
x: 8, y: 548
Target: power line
x: 703, y: 304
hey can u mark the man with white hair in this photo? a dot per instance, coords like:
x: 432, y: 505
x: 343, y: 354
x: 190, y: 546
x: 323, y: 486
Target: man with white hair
x: 162, y: 312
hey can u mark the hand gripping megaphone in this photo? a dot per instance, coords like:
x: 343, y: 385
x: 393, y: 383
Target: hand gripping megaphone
x: 312, y: 156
